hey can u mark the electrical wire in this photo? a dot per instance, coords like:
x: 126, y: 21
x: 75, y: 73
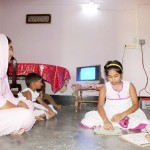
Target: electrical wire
x: 147, y: 79
x: 124, y: 51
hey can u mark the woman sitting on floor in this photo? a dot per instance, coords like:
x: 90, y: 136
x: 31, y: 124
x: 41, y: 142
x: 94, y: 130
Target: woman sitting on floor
x: 15, y: 115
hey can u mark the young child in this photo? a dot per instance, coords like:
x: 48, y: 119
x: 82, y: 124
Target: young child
x: 48, y: 97
x: 121, y: 107
x: 41, y: 109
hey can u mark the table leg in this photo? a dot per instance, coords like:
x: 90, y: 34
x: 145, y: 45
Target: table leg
x: 76, y: 101
x: 76, y: 106
x: 80, y: 104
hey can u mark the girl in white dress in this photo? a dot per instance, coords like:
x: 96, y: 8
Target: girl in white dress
x: 41, y: 109
x: 121, y: 107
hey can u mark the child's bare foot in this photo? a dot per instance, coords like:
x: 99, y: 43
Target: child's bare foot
x: 51, y: 114
x: 58, y: 107
x: 40, y: 118
x: 20, y: 132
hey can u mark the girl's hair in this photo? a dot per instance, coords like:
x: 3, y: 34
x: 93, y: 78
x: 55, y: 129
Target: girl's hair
x: 9, y: 40
x: 113, y: 65
x: 32, y: 77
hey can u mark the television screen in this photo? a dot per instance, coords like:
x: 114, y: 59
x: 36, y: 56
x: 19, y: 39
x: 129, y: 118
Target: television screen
x: 88, y: 73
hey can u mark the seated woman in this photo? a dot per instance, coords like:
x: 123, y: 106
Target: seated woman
x: 15, y: 115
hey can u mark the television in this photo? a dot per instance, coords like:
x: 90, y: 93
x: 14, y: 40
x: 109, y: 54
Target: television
x: 88, y: 73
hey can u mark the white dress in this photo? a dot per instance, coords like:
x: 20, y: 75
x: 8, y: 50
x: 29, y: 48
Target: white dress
x: 117, y: 102
x: 11, y: 119
x: 40, y: 109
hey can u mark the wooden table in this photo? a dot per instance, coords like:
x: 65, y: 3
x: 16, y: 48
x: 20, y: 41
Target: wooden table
x: 78, y: 94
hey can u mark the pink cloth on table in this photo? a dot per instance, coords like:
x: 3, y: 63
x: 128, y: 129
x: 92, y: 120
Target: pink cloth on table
x: 55, y: 75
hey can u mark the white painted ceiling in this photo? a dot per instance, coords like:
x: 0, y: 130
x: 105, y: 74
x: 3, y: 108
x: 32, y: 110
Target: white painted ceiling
x: 105, y: 4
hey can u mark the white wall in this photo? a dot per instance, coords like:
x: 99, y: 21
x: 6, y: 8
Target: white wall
x: 74, y: 39
x: 132, y: 26
x: 1, y: 11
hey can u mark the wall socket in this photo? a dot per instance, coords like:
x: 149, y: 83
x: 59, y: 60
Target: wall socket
x: 141, y: 41
x: 131, y: 46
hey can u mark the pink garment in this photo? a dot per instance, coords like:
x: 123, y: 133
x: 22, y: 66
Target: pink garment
x: 140, y: 127
x: 17, y: 118
x: 124, y: 123
x: 86, y: 127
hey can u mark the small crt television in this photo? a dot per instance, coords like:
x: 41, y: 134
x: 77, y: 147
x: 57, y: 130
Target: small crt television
x: 88, y: 73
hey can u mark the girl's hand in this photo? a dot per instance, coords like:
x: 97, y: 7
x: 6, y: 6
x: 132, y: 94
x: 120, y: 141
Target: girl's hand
x: 118, y: 117
x: 108, y: 125
x: 148, y: 136
x: 22, y: 104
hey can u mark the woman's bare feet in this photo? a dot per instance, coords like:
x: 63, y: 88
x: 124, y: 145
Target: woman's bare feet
x: 40, y: 118
x: 20, y: 132
x: 148, y: 136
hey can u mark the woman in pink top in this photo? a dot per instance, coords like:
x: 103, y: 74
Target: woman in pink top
x: 15, y: 115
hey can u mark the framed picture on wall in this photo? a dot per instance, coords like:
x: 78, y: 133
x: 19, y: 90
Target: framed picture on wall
x: 38, y: 18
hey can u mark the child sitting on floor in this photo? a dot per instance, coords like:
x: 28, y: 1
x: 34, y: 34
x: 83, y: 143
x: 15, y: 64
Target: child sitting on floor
x: 121, y: 107
x: 41, y: 109
x: 48, y: 97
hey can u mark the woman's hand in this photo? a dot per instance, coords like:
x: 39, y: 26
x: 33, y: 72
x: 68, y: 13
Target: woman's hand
x: 108, y: 125
x: 22, y: 104
x: 118, y: 117
x: 8, y: 105
x: 148, y: 136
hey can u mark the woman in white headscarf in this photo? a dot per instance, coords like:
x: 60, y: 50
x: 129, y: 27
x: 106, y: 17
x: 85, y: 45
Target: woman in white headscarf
x: 15, y: 115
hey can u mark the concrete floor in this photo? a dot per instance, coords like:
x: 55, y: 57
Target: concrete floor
x: 64, y: 133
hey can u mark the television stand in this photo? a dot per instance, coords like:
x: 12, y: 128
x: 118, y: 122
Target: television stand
x: 78, y: 93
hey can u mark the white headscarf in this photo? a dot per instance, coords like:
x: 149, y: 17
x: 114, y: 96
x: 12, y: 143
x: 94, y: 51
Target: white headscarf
x: 4, y: 52
x: 5, y: 92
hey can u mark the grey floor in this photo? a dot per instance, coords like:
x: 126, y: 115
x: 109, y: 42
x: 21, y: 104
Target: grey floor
x: 64, y: 133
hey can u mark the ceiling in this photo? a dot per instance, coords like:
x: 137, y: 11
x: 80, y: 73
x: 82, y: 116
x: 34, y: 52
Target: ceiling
x: 105, y: 4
